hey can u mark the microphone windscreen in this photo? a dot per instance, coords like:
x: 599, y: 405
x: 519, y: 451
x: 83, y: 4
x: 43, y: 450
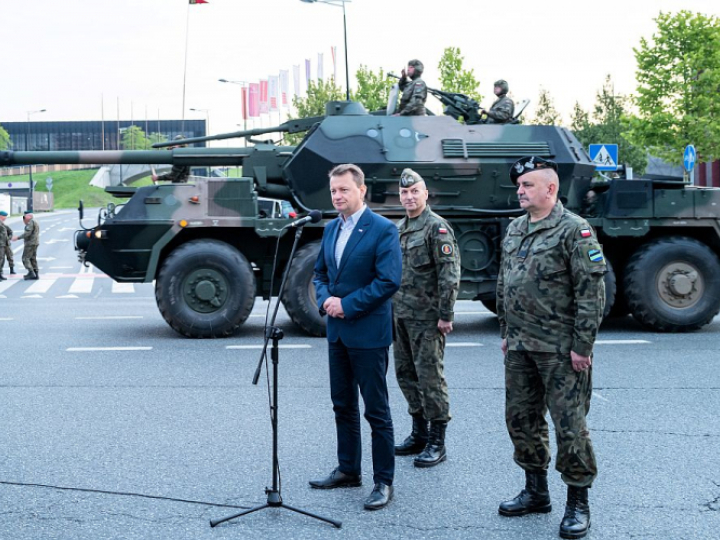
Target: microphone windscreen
x: 315, y: 216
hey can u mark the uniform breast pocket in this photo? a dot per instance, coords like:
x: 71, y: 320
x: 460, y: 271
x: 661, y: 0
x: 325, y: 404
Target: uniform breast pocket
x: 417, y: 253
x: 548, y: 260
x: 511, y: 244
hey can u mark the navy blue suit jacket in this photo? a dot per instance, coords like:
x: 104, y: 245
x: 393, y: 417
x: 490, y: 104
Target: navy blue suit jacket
x: 369, y: 274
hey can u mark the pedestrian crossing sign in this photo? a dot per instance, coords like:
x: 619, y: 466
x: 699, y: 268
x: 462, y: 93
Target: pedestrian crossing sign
x: 604, y: 156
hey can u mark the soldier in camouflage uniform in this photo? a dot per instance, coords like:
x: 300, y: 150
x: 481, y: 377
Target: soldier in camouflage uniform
x: 414, y: 90
x: 423, y: 313
x: 4, y: 242
x: 550, y: 300
x: 31, y: 236
x: 178, y: 173
x: 503, y: 109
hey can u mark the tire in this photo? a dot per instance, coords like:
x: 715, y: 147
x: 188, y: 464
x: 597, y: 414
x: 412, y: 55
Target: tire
x: 610, y: 288
x: 205, y: 289
x: 673, y: 284
x: 299, y: 295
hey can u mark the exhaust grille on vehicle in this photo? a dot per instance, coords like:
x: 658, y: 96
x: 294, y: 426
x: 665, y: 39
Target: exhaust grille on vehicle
x: 460, y: 149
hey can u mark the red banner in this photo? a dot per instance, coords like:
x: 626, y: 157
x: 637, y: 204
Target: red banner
x: 193, y: 2
x: 254, y: 100
x: 264, y: 105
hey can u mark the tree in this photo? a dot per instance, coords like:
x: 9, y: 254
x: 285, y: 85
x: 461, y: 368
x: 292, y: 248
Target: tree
x: 318, y: 94
x: 678, y: 93
x: 5, y: 141
x: 453, y: 78
x: 545, y: 113
x: 133, y: 138
x: 373, y: 88
x: 609, y: 123
x: 156, y: 138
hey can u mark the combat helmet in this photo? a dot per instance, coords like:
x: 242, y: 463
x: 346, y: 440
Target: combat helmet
x: 418, y: 65
x: 503, y: 84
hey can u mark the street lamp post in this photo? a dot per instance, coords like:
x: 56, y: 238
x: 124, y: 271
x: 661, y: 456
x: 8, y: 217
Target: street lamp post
x: 339, y: 3
x: 27, y: 149
x: 243, y: 95
x: 207, y: 118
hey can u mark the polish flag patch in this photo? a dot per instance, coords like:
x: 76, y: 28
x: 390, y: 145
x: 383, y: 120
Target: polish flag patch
x: 442, y: 230
x: 585, y: 233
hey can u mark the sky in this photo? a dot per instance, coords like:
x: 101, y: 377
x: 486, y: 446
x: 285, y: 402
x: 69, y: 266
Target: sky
x: 85, y: 59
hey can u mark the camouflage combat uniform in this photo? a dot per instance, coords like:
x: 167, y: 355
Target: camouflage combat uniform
x: 31, y: 236
x: 178, y: 174
x: 550, y: 300
x: 430, y: 282
x: 414, y: 95
x: 5, y: 236
x: 501, y: 111
x: 8, y: 249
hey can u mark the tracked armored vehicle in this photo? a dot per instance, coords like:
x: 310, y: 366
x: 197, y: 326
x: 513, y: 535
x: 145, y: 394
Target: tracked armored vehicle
x: 210, y: 250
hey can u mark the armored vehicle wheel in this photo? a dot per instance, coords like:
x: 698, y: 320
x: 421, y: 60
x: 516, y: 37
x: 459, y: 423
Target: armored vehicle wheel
x: 299, y: 296
x: 673, y: 284
x: 205, y: 289
x: 490, y: 305
x: 610, y: 288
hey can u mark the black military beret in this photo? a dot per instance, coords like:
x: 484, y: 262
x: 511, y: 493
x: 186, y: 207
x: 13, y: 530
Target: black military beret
x: 530, y: 164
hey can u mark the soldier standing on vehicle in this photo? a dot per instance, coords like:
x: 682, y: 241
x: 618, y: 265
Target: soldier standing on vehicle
x: 4, y: 241
x: 179, y: 173
x: 423, y: 313
x: 414, y: 90
x: 31, y: 236
x: 503, y: 109
x: 550, y: 300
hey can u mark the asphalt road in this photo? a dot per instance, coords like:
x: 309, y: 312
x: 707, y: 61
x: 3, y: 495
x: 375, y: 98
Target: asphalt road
x: 161, y: 434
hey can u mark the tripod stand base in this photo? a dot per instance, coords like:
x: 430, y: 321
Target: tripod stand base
x: 274, y: 501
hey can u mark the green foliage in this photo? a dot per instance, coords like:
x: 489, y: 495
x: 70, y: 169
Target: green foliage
x: 156, y: 138
x: 453, y: 78
x: 545, y: 113
x: 609, y: 123
x: 373, y: 89
x: 318, y: 94
x: 4, y: 139
x: 133, y: 138
x: 678, y: 93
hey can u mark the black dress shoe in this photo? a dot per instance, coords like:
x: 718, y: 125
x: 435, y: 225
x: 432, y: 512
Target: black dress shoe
x: 380, y: 496
x: 337, y: 479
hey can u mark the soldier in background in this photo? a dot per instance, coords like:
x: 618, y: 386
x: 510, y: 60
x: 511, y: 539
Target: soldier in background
x: 414, y: 90
x: 550, y: 300
x: 503, y: 109
x: 7, y: 250
x: 31, y: 236
x: 423, y: 313
x: 179, y: 173
x: 4, y: 241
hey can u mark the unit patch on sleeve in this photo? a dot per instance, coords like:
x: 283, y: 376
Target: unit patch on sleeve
x: 447, y: 249
x: 595, y: 255
x: 442, y: 230
x: 585, y: 233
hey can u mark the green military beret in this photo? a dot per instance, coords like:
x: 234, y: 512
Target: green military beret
x: 26, y: 212
x: 3, y: 213
x: 409, y: 178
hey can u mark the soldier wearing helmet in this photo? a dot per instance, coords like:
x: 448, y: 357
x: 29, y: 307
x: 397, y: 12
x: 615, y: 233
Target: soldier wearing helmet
x: 502, y: 111
x: 414, y: 90
x: 179, y: 173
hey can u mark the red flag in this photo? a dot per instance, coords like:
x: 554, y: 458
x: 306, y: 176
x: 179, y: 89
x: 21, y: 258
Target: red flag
x: 193, y: 2
x: 254, y: 100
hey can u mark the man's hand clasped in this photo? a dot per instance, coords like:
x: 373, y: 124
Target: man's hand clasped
x: 333, y: 307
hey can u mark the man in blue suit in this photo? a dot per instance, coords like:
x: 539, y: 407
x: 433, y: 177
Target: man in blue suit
x: 357, y: 272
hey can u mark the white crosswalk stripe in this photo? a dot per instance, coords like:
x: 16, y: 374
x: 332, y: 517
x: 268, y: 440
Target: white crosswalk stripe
x: 40, y: 286
x: 123, y: 288
x: 84, y: 282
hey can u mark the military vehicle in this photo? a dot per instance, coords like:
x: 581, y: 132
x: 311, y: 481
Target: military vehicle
x: 210, y: 251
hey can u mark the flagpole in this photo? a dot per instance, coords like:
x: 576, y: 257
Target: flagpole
x: 187, y: 31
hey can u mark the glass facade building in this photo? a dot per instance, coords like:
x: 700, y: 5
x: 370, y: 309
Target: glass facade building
x: 93, y: 134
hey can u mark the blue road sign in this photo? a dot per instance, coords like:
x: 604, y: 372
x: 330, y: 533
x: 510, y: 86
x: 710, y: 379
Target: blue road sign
x: 689, y: 158
x: 604, y: 156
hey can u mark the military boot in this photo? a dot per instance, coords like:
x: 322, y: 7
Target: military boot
x: 576, y: 522
x: 37, y: 273
x: 30, y: 275
x: 416, y: 441
x: 534, y: 499
x: 2, y: 278
x: 12, y: 270
x: 434, y: 452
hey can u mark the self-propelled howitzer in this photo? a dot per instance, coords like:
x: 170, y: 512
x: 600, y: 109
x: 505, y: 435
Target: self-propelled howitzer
x: 209, y: 245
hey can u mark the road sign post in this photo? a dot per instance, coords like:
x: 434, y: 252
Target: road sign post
x: 689, y: 159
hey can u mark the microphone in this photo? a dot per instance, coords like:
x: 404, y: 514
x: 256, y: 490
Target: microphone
x: 313, y: 217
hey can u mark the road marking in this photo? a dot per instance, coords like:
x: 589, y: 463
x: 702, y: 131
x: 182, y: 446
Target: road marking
x: 68, y: 296
x: 595, y: 394
x: 81, y: 285
x: 464, y: 344
x: 621, y: 342
x: 5, y: 285
x: 473, y: 312
x: 122, y: 288
x: 109, y: 318
x: 60, y: 267
x: 246, y: 347
x: 32, y: 296
x: 93, y: 349
x: 41, y: 286
x: 6, y: 319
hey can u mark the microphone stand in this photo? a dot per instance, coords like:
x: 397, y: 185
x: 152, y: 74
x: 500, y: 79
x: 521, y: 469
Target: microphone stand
x: 274, y: 499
